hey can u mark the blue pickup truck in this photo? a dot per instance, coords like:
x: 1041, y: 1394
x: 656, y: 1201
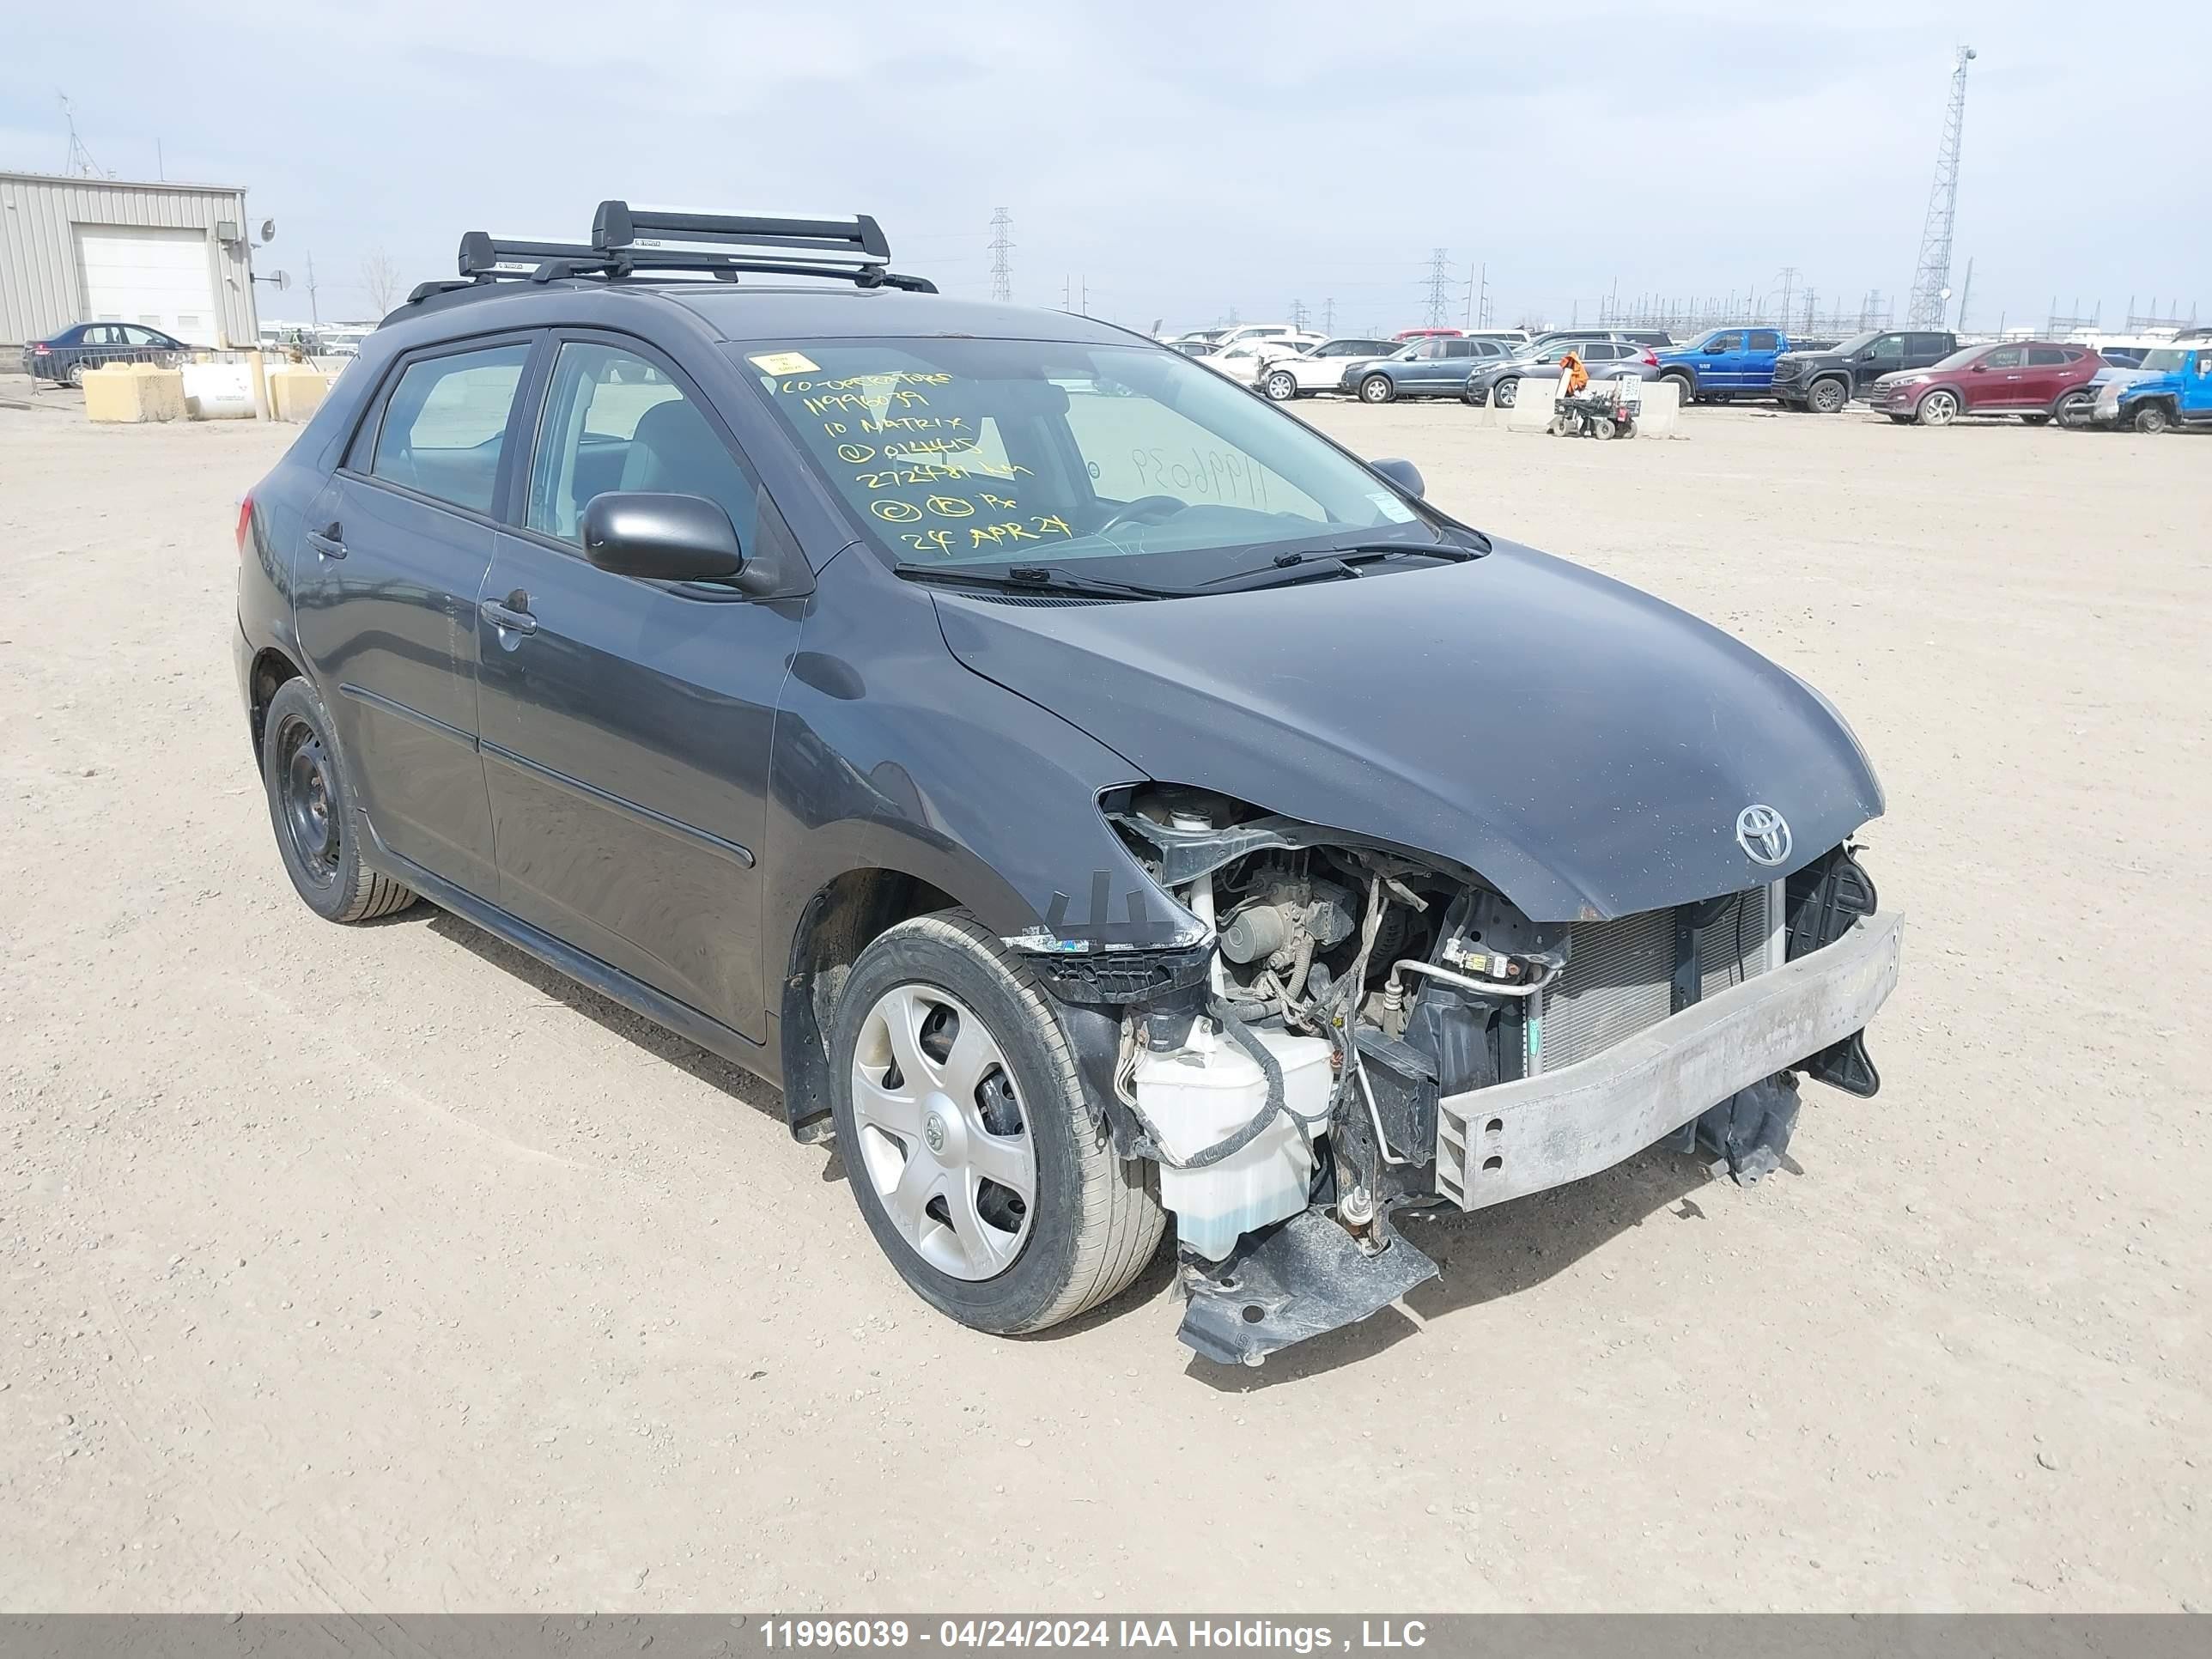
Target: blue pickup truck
x: 1727, y: 362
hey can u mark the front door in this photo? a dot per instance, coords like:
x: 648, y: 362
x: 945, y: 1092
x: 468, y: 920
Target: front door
x: 386, y: 589
x: 1719, y: 367
x: 626, y: 723
x: 1997, y: 380
x: 2196, y: 386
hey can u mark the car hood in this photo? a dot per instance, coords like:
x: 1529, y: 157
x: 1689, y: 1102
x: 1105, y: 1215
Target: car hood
x: 1582, y: 745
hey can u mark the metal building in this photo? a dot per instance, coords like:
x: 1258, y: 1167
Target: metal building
x: 172, y: 256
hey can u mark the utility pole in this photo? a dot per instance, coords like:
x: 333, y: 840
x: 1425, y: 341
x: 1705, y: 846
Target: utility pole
x: 1966, y: 293
x: 1439, y: 286
x: 1932, y: 277
x: 1482, y: 298
x: 1002, y: 273
x: 314, y: 311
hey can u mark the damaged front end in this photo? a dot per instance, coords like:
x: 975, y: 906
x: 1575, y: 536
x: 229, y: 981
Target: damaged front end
x: 1360, y: 1030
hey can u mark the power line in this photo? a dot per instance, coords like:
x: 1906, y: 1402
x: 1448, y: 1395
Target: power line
x: 1002, y: 272
x: 1932, y: 277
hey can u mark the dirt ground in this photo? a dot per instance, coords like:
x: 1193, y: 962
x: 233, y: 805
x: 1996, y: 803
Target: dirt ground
x: 376, y: 1267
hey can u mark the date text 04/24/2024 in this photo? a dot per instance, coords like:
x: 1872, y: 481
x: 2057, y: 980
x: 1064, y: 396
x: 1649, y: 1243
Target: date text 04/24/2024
x: 982, y: 1635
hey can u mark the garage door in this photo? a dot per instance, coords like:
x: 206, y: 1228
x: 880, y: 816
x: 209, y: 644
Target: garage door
x: 157, y: 278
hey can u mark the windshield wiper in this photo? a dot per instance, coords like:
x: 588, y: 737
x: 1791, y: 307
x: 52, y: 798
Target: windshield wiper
x: 1041, y: 579
x: 1324, y: 563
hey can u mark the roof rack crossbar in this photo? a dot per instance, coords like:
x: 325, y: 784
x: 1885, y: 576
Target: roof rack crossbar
x: 482, y: 255
x: 859, y: 239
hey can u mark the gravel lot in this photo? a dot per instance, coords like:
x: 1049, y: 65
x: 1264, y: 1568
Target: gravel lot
x: 378, y: 1268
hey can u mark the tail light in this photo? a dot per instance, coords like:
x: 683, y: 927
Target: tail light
x: 1651, y: 358
x: 245, y: 522
x: 42, y: 350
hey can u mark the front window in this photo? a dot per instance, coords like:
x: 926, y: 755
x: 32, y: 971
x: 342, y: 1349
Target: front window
x: 1857, y: 343
x: 1013, y: 451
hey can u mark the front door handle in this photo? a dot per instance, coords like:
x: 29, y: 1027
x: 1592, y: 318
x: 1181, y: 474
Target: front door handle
x: 329, y: 542
x: 509, y: 614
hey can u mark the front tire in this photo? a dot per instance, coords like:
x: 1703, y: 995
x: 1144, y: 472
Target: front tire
x: 1503, y: 393
x: 1280, y: 387
x: 1376, y: 389
x: 311, y: 809
x: 2151, y: 419
x: 1686, y: 390
x: 1936, y: 408
x: 969, y: 1140
x: 1827, y: 397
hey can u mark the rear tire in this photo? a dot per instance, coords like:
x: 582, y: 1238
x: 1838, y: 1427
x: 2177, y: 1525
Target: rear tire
x: 1900, y: 420
x: 2040, y: 417
x: 1827, y: 397
x: 1601, y: 427
x: 1092, y: 1220
x: 2073, y: 410
x: 311, y: 809
x: 1376, y: 389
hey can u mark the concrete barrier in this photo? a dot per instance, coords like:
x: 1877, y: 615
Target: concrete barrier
x: 294, y: 394
x: 1532, y: 404
x: 218, y: 391
x: 133, y: 392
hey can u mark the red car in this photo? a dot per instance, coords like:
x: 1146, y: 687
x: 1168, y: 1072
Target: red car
x: 2032, y: 378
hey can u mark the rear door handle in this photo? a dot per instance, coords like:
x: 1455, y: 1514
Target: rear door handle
x: 508, y: 616
x: 329, y: 542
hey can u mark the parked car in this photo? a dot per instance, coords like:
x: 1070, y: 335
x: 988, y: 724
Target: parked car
x: 1319, y: 367
x: 1724, y: 363
x: 1230, y: 337
x: 1242, y: 360
x: 1405, y: 334
x: 1499, y: 381
x: 68, y: 356
x: 1191, y: 346
x: 1432, y: 367
x: 1824, y: 381
x: 1074, y: 802
x: 1657, y: 338
x: 2032, y: 378
x: 2174, y: 388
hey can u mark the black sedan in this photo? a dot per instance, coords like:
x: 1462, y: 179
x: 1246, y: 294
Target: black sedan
x: 84, y: 346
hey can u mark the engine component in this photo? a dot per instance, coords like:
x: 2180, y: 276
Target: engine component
x: 1272, y: 925
x: 1206, y: 1091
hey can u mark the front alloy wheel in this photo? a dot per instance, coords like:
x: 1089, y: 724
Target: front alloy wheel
x: 1505, y: 393
x: 1376, y: 389
x: 1280, y: 387
x: 942, y: 1139
x: 1937, y: 408
x: 1827, y: 397
x: 978, y: 1160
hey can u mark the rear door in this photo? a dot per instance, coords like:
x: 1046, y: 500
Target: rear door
x: 2046, y: 373
x: 626, y: 723
x: 386, y: 591
x: 1761, y: 346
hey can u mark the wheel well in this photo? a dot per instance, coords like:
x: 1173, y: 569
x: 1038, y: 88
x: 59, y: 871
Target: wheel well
x: 271, y: 670
x: 840, y: 921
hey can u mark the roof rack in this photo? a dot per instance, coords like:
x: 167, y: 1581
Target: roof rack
x: 851, y: 250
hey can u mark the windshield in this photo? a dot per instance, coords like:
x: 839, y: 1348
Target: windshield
x: 2164, y: 362
x: 1958, y: 359
x: 1858, y: 342
x: 981, y: 453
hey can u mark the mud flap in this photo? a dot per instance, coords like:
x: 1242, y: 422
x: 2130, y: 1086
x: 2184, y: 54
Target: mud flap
x: 1750, y: 1130
x: 1295, y: 1279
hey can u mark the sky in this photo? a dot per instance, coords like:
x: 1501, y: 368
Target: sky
x: 1184, y: 163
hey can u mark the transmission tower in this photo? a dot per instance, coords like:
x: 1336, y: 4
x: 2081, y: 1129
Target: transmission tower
x: 1440, y: 286
x: 1298, y: 315
x: 1328, y: 316
x: 1002, y: 273
x: 1931, y: 278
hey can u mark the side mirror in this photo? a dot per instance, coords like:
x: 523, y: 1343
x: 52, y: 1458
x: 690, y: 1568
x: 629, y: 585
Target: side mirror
x: 663, y: 538
x: 1404, y: 474
x: 1981, y: 368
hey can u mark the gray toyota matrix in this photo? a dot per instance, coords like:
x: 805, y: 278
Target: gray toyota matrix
x: 1089, y: 794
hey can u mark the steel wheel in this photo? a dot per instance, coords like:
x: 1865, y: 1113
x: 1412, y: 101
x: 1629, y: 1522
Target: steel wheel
x: 1281, y: 387
x: 943, y: 1141
x: 305, y: 805
x: 1505, y: 393
x: 1938, y: 408
x: 2151, y: 419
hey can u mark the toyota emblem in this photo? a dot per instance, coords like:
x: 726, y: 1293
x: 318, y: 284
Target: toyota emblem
x: 1763, y: 833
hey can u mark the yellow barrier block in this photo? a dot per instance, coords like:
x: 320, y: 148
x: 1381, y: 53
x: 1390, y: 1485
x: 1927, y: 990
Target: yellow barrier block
x: 294, y: 394
x: 134, y: 393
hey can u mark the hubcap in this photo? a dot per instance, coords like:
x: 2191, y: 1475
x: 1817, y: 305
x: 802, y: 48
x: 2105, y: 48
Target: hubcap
x: 304, y: 794
x: 944, y: 1138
